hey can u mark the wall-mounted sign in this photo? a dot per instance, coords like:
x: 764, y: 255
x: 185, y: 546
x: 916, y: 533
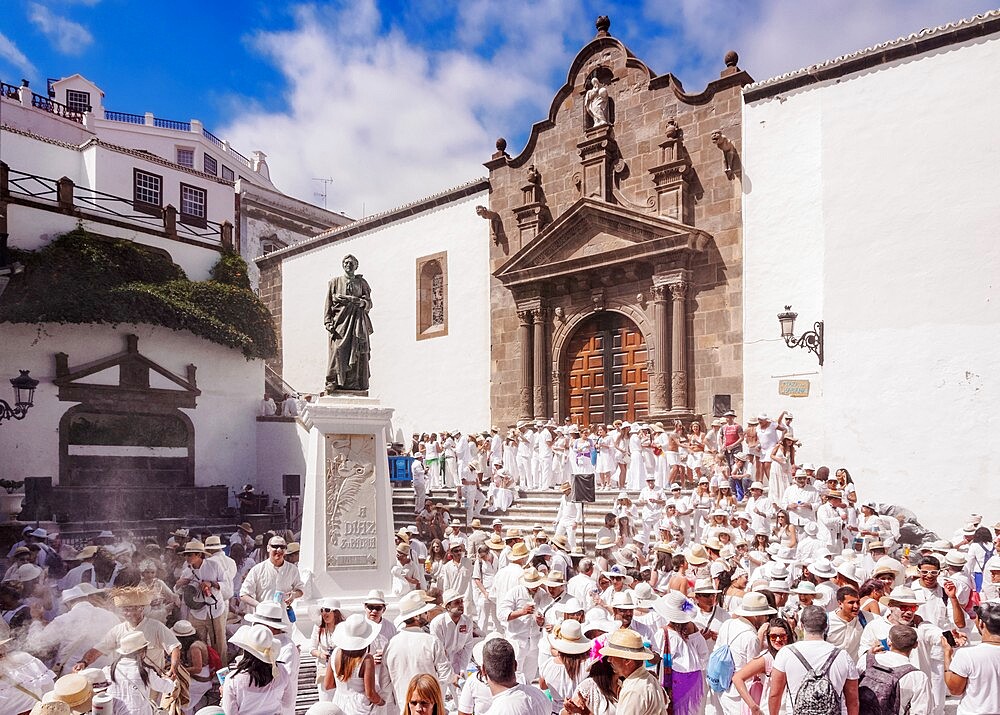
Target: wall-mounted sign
x: 793, y: 388
x: 352, y: 541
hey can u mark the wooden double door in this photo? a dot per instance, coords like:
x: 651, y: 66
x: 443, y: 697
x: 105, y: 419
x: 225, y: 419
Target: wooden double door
x: 606, y: 364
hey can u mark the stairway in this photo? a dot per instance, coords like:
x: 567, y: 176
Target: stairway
x: 536, y: 506
x: 308, y: 693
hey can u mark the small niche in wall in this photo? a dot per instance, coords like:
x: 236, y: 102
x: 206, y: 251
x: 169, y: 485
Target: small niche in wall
x: 432, y: 296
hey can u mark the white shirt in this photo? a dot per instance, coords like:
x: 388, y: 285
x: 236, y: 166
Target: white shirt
x: 455, y: 638
x: 507, y: 579
x: 161, y: 639
x: 28, y: 672
x: 264, y: 580
x: 843, y: 634
x: 816, y: 653
x: 569, y: 510
x: 741, y: 637
x: 213, y: 571
x: 229, y: 567
x: 412, y: 652
x: 520, y: 700
x: 686, y: 654
x: 241, y: 698
x: 74, y: 632
x: 583, y: 588
x: 981, y: 665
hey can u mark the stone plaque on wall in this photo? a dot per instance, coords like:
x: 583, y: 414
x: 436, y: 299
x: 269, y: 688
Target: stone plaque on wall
x: 351, y: 528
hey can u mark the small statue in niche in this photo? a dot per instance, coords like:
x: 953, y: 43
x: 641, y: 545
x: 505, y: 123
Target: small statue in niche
x: 597, y: 100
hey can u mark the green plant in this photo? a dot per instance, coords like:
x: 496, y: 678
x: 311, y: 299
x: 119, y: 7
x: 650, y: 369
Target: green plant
x: 86, y: 278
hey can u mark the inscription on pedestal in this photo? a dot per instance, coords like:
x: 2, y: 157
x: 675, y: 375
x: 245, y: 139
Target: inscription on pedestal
x: 351, y: 527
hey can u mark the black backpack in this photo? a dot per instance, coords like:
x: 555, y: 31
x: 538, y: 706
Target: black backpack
x: 878, y: 688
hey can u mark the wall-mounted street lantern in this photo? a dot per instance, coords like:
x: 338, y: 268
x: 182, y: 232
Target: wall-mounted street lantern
x: 811, y: 341
x: 24, y: 397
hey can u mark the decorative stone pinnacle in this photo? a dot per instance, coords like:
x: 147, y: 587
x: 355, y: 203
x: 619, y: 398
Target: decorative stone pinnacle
x: 603, y: 24
x: 501, y: 144
x: 732, y: 58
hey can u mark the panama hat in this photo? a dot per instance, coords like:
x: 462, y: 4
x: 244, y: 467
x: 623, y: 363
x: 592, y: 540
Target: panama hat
x: 75, y: 691
x: 555, y: 579
x: 98, y: 679
x: 663, y: 547
x: 696, y: 555
x: 246, y: 526
x: 626, y: 643
x: 258, y: 642
x: 131, y: 642
x: 674, y: 607
x: 625, y: 601
x: 194, y: 547
x: 375, y: 596
x: 644, y: 594
x: 355, y: 633
x: 27, y: 572
x: 270, y: 614
x: 132, y: 596
x: 330, y: 603
x: 495, y: 543
x: 214, y: 543
x: 560, y: 542
x: 901, y: 594
x: 452, y: 594
x: 568, y: 638
x: 756, y: 485
x: 74, y: 594
x: 412, y: 605
x: 597, y: 619
x: 518, y: 552
x: 811, y: 528
x: 183, y: 628
x: 713, y: 544
x: 849, y: 571
x: 402, y: 549
x: 956, y: 558
x: 754, y: 604
x: 531, y: 578
x: 785, y: 554
x: 822, y: 569
x: 570, y: 605
x: 775, y: 586
x: 543, y: 550
x: 705, y: 585
x: 805, y: 588
x: 605, y: 542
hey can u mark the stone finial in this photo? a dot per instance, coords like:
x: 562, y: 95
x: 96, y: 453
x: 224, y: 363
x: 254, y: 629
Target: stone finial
x: 672, y: 131
x: 603, y: 24
x: 533, y: 176
x: 732, y: 58
x: 501, y: 148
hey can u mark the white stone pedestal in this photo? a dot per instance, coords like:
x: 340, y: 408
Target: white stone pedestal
x: 347, y: 523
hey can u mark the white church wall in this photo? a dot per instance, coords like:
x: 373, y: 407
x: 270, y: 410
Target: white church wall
x: 870, y: 203
x: 224, y: 419
x: 435, y: 383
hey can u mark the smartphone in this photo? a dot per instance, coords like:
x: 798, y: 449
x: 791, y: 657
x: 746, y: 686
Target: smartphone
x: 221, y: 674
x: 950, y: 637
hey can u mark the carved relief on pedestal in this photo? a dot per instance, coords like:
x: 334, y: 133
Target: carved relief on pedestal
x: 678, y: 388
x: 526, y: 396
x: 659, y: 391
x: 351, y: 529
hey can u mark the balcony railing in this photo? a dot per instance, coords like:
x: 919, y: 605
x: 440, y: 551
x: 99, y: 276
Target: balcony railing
x: 241, y: 158
x: 171, y: 124
x: 66, y: 197
x: 53, y: 107
x: 124, y: 117
x: 9, y: 91
x: 212, y: 138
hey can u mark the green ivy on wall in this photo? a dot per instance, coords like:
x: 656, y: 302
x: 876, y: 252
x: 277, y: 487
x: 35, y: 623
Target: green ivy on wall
x: 82, y: 277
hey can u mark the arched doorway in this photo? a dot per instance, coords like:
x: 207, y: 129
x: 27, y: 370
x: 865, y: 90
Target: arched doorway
x: 606, y: 365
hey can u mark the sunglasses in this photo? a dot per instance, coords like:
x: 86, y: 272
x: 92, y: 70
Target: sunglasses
x: 929, y: 572
x: 328, y: 610
x: 778, y: 636
x: 374, y: 607
x: 277, y: 547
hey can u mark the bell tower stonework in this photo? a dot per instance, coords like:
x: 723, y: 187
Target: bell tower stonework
x: 624, y: 203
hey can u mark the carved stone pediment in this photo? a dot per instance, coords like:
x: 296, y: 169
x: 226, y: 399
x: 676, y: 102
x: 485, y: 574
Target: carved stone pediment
x: 592, y: 234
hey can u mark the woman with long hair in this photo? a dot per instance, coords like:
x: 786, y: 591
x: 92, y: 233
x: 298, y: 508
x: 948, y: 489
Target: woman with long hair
x: 684, y: 651
x: 752, y: 680
x: 321, y: 643
x: 784, y: 532
x: 679, y: 578
x: 194, y: 661
x: 165, y: 601
x: 423, y: 697
x: 696, y: 451
x: 846, y: 485
x: 605, y: 458
x: 981, y: 550
x: 871, y: 591
x: 598, y: 692
x: 133, y: 677
x: 702, y: 504
x: 564, y: 671
x: 436, y: 559
x: 780, y: 476
x: 255, y: 685
x: 350, y: 671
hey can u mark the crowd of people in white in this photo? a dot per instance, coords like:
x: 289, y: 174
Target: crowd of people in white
x: 728, y: 577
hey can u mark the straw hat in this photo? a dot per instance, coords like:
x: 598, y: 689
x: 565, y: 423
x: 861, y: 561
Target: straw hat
x: 412, y: 605
x: 555, y: 578
x: 132, y: 642
x: 705, y: 585
x: 132, y: 596
x: 213, y: 544
x: 258, y: 642
x: 183, y: 628
x: 245, y: 526
x: 52, y: 707
x: 402, y: 549
x: 663, y: 547
x: 75, y: 691
x: 849, y: 571
x: 775, y: 586
x: 674, y: 607
x: 531, y: 578
x: 696, y: 555
x: 518, y: 552
x: 355, y: 633
x: 624, y: 600
x: 754, y: 604
x: 495, y: 543
x: 375, y: 596
x: 901, y: 594
x: 568, y: 638
x: 194, y: 547
x: 270, y: 614
x: 713, y: 543
x: 292, y: 548
x: 605, y: 542
x: 626, y: 643
x: 513, y: 533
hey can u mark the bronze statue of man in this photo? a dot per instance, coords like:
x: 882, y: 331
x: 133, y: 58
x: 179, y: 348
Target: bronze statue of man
x: 348, y: 300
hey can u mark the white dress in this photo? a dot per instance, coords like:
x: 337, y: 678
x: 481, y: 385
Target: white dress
x: 605, y: 456
x: 635, y: 477
x: 131, y: 695
x: 350, y: 694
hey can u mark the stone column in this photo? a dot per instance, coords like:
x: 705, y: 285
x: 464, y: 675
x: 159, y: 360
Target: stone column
x: 527, y: 373
x: 659, y: 375
x: 540, y: 363
x: 678, y: 361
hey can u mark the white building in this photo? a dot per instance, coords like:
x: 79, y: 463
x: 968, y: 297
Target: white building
x: 870, y: 203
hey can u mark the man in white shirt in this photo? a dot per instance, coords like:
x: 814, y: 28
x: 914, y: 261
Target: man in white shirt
x: 914, y: 687
x: 411, y: 651
x: 272, y: 576
x: 456, y: 574
x: 583, y: 586
x: 216, y: 551
x: 759, y: 508
x: 525, y: 440
x: 496, y: 446
x: 974, y: 673
x: 740, y: 634
x: 521, y: 610
x: 484, y: 572
x: 568, y: 516
x: 72, y: 633
x: 544, y: 442
x: 834, y: 518
x: 406, y: 574
x: 942, y: 609
x: 653, y: 502
x: 454, y: 631
x: 200, y: 586
x: 419, y: 482
x: 510, y: 697
x: 801, y: 500
x: 845, y: 629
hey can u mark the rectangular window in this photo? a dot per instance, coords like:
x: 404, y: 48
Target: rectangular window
x: 185, y: 157
x: 77, y: 101
x: 211, y: 165
x: 228, y: 174
x: 194, y: 205
x: 147, y: 192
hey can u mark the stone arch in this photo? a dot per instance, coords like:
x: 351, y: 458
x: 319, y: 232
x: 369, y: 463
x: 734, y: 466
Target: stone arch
x: 432, y: 296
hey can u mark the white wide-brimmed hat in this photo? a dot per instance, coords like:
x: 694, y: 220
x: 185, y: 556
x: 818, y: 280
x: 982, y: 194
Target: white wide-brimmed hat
x: 355, y: 633
x: 754, y: 604
x: 568, y: 638
x: 644, y: 594
x: 412, y: 605
x: 270, y: 614
x: 705, y: 586
x: 375, y: 596
x: 258, y: 642
x: 131, y: 642
x: 624, y: 600
x: 902, y: 594
x: 330, y: 603
x: 570, y: 605
x: 626, y: 643
x: 822, y: 569
x: 675, y: 608
x: 183, y: 628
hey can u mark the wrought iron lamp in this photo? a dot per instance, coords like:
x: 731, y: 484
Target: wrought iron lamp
x: 811, y: 340
x: 24, y: 397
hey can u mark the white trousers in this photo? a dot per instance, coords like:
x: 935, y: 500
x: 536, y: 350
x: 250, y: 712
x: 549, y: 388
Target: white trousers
x: 566, y: 526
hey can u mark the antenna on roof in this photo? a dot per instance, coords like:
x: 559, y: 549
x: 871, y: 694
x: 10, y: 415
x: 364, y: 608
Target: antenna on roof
x: 326, y: 187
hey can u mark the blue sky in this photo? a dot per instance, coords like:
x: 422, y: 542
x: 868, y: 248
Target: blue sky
x: 398, y: 100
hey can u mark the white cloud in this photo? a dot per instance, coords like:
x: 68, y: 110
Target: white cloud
x: 10, y: 54
x: 67, y: 36
x: 392, y: 118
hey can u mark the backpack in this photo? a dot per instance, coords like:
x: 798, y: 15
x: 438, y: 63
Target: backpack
x: 878, y: 688
x: 816, y: 695
x: 720, y: 668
